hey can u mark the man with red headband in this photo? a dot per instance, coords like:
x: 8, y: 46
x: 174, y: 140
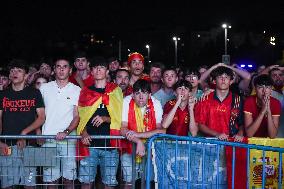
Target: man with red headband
x: 136, y: 64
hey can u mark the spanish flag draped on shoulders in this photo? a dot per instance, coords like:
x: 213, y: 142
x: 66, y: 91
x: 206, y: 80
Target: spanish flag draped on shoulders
x: 89, y: 102
x: 138, y: 122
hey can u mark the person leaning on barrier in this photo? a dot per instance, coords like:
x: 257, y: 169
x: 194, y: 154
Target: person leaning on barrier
x: 178, y: 116
x: 21, y: 113
x: 262, y: 111
x: 61, y: 100
x: 220, y: 114
x: 141, y: 119
x: 100, y: 107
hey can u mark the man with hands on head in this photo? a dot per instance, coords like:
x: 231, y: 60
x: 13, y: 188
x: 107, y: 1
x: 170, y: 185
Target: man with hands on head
x: 178, y: 116
x: 262, y: 111
x: 220, y: 114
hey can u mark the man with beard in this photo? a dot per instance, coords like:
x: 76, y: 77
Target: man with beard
x: 277, y: 78
x: 122, y: 80
x: 113, y: 66
x: 136, y: 65
x: 156, y: 71
x: 82, y: 76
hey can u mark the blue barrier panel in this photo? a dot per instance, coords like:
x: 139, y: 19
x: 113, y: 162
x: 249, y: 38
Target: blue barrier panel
x: 188, y: 162
x: 180, y: 166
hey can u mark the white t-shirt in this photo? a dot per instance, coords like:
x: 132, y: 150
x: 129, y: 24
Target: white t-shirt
x: 157, y: 107
x: 59, y: 106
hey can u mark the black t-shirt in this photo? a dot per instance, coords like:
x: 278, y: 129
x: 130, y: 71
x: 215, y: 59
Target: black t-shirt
x: 19, y: 109
x: 104, y: 128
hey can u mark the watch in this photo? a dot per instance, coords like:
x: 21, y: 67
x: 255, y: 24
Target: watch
x: 67, y: 131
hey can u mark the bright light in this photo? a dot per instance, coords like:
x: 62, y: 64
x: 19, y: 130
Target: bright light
x: 147, y: 46
x: 150, y: 61
x: 242, y: 65
x: 198, y: 35
x: 228, y: 39
x: 226, y: 26
x: 272, y: 40
x: 264, y: 31
x: 128, y: 50
x: 176, y: 38
x: 250, y: 66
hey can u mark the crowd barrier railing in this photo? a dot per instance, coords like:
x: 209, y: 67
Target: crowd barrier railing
x: 37, y: 163
x: 197, y: 162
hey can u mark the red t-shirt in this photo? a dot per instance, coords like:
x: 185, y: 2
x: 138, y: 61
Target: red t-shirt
x: 89, y: 81
x: 128, y: 91
x: 215, y: 114
x: 250, y: 107
x: 180, y: 123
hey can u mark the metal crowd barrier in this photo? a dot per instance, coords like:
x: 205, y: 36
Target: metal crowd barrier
x: 196, y: 162
x: 45, y: 157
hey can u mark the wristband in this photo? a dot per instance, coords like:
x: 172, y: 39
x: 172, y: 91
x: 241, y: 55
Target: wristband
x: 67, y: 131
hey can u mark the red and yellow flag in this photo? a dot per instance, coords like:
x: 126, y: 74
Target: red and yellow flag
x: 255, y: 165
x: 271, y: 163
x: 90, y: 100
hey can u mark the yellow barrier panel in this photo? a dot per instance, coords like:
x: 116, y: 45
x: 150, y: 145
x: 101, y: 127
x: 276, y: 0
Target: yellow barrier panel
x: 271, y: 165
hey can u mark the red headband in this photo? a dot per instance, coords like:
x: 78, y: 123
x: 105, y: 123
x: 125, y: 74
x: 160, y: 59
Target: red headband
x: 133, y: 56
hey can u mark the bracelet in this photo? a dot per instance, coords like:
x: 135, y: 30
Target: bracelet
x: 67, y: 131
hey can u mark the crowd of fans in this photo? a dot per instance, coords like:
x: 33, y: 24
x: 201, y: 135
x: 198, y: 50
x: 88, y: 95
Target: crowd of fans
x: 98, y: 96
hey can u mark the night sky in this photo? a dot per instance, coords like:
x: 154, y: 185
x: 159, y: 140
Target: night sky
x: 30, y: 28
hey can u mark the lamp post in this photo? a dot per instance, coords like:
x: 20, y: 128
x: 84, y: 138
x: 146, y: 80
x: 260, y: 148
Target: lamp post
x: 176, y: 39
x: 226, y: 26
x: 148, y: 49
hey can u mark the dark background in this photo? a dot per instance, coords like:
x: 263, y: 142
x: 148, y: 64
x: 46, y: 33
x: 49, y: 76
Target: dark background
x: 35, y: 29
